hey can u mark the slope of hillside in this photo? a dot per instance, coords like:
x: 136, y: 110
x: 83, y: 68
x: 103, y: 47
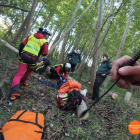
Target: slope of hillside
x: 108, y: 120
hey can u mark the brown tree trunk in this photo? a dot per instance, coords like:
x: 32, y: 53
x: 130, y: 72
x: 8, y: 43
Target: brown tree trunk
x: 37, y: 16
x: 9, y: 46
x: 126, y: 30
x: 29, y: 20
x: 61, y: 56
x: 97, y: 37
x: 80, y: 68
x: 19, y: 32
x: 70, y: 27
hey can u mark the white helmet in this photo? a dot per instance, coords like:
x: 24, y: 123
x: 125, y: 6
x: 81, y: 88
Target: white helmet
x: 45, y: 31
x: 68, y: 65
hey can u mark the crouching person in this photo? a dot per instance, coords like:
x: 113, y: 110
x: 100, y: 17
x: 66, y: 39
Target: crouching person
x: 60, y: 71
x: 42, y: 65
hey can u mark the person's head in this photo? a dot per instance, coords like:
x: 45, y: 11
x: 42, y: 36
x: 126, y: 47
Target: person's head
x: 46, y: 32
x: 77, y: 50
x: 67, y: 66
x: 104, y: 57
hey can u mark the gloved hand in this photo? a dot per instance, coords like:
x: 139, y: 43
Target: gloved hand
x: 61, y: 78
x: 64, y: 80
x: 40, y: 59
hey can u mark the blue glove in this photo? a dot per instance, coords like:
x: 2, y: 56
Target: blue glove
x: 40, y: 59
x: 64, y: 80
x: 61, y: 78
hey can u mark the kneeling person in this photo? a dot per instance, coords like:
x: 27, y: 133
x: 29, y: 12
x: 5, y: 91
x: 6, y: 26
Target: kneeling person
x: 42, y: 65
x: 60, y: 71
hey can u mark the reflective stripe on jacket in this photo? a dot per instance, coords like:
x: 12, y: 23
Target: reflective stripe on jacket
x: 33, y: 45
x: 59, y: 65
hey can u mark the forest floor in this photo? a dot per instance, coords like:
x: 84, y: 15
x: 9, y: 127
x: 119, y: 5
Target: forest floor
x: 108, y: 120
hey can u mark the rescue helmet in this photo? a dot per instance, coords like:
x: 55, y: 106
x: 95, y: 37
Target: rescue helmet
x: 45, y: 31
x: 68, y: 65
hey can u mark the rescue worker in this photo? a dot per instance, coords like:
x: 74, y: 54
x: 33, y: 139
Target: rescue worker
x: 74, y: 58
x: 102, y: 72
x: 29, y: 52
x: 42, y: 65
x: 60, y: 71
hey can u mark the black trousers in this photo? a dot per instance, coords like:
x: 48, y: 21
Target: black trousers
x: 73, y: 67
x: 98, y: 82
x: 54, y: 74
x: 40, y: 69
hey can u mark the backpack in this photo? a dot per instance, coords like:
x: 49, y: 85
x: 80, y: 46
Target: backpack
x: 69, y: 101
x: 23, y: 125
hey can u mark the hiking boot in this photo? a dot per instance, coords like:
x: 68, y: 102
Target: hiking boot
x: 25, y: 84
x: 15, y: 96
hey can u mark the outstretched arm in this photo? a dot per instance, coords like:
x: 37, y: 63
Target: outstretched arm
x: 129, y: 74
x: 69, y: 55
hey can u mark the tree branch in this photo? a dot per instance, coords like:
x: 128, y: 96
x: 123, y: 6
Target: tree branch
x: 10, y: 6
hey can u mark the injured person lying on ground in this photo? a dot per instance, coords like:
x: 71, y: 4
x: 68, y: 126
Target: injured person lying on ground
x: 69, y: 96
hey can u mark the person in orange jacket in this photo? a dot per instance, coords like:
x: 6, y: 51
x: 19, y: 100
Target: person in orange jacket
x: 29, y: 51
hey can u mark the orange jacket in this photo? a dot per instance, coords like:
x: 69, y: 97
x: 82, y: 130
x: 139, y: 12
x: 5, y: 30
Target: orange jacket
x: 69, y: 86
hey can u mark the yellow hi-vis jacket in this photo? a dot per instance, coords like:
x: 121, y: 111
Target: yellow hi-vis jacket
x: 34, y: 44
x: 61, y: 65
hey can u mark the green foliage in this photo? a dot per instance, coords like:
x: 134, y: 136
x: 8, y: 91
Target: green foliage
x: 63, y: 12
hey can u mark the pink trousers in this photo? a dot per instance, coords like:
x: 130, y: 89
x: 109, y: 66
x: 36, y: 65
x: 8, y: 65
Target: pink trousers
x: 23, y: 72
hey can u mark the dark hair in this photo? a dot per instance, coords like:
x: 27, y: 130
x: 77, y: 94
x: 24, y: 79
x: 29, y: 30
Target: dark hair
x: 40, y: 30
x: 105, y: 55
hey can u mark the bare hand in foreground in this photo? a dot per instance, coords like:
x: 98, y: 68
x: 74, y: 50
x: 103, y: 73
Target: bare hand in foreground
x: 129, y: 74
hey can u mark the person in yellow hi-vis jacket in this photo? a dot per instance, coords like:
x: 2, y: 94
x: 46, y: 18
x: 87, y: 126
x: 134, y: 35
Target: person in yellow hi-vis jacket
x: 42, y: 65
x: 29, y: 51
